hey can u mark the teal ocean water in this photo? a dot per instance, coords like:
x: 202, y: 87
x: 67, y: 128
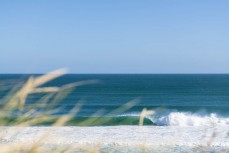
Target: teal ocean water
x: 176, y: 99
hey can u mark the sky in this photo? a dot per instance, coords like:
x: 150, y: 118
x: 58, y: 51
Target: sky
x: 114, y: 36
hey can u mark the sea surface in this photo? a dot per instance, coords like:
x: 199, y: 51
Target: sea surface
x: 118, y: 99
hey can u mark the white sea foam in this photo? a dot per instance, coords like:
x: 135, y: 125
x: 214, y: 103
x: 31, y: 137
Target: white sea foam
x: 190, y: 119
x: 126, y: 138
x: 175, y: 118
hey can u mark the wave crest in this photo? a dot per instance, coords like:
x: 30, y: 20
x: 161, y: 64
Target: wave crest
x: 190, y: 119
x: 176, y: 118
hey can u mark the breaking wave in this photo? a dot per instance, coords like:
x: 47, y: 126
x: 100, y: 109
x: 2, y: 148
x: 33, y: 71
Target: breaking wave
x: 175, y: 118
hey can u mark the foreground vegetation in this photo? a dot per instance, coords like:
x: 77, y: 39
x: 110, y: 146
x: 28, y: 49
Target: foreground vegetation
x: 14, y: 112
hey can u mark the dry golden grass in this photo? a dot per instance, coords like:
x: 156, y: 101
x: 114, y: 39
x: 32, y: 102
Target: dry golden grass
x: 16, y: 100
x: 144, y: 114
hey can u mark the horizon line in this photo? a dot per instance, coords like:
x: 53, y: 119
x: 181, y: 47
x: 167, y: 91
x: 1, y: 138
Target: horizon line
x: 107, y: 73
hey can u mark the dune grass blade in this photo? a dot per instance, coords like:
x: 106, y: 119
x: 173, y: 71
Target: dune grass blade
x: 143, y: 114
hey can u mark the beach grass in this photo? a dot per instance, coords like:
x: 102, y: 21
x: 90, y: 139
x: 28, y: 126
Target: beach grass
x: 17, y: 114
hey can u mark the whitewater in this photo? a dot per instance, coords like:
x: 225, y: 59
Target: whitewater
x: 176, y: 118
x: 123, y: 138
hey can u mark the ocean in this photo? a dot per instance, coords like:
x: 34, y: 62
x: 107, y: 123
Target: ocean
x: 175, y: 99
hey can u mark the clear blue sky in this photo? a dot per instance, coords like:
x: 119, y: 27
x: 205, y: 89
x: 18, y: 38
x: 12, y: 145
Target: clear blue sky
x: 114, y: 36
